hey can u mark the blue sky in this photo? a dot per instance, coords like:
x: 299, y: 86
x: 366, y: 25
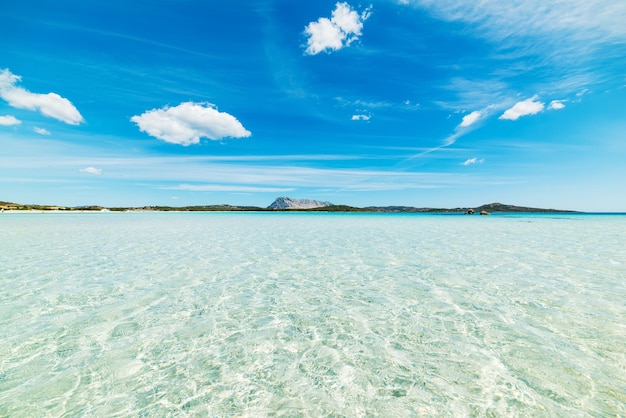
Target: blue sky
x: 400, y: 102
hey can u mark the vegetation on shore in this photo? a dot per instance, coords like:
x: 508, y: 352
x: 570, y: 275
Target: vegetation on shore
x: 492, y: 207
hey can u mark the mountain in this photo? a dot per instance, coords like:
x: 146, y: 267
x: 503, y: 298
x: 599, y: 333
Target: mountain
x: 289, y: 203
x: 285, y: 203
x: 499, y: 207
x: 491, y: 207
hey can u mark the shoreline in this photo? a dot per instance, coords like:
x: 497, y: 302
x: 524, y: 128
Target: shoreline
x: 6, y: 207
x: 301, y: 211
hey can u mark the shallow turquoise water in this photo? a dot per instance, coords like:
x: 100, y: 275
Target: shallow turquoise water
x: 252, y: 314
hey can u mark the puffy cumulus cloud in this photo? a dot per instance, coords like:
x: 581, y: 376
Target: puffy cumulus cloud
x: 471, y: 118
x: 51, y: 104
x: 41, y: 131
x: 361, y: 117
x: 343, y: 28
x: 471, y: 161
x: 556, y: 105
x: 9, y: 120
x: 527, y: 107
x: 186, y: 123
x: 91, y: 170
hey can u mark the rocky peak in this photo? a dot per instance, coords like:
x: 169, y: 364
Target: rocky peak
x: 289, y: 203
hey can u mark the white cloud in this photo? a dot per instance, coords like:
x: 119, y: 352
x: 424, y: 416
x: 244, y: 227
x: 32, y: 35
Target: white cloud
x: 556, y: 105
x: 50, y: 104
x: 186, y: 123
x: 582, y: 92
x: 91, y: 170
x: 41, y: 131
x: 471, y: 118
x: 465, y: 126
x: 474, y: 160
x: 9, y: 120
x: 572, y: 38
x: 475, y: 93
x: 343, y: 28
x: 527, y: 107
x: 229, y: 188
x: 592, y: 21
x: 361, y: 117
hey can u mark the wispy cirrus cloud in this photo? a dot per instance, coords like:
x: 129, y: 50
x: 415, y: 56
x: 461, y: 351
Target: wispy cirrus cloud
x: 9, y: 120
x: 558, y: 48
x: 591, y: 21
x: 186, y: 123
x: 361, y: 105
x: 51, y: 104
x: 228, y: 188
x: 244, y: 174
x: 467, y: 93
x: 565, y: 41
x: 343, y: 28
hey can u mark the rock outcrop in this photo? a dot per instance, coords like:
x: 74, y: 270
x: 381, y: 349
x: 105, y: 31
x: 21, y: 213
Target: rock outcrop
x: 289, y: 203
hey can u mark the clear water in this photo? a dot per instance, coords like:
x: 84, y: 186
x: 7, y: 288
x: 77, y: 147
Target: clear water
x: 230, y: 314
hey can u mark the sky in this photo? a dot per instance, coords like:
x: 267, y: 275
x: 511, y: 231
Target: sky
x: 390, y: 102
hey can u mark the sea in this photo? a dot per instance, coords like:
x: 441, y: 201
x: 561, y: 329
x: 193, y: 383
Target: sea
x: 185, y: 314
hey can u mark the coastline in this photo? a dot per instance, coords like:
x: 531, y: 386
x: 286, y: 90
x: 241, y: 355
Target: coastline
x: 6, y: 207
x: 286, y: 212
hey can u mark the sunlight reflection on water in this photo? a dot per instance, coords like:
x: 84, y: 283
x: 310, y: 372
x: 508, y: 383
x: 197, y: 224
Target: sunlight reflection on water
x: 224, y: 314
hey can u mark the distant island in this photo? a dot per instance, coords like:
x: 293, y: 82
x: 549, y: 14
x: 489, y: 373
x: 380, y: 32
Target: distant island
x: 289, y: 203
x: 285, y: 204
